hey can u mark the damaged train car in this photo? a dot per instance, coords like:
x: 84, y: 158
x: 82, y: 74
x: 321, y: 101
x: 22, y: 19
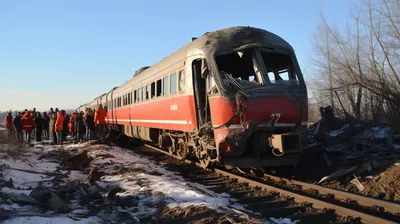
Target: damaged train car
x: 233, y: 97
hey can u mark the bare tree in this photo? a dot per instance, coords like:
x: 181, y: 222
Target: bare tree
x: 361, y: 62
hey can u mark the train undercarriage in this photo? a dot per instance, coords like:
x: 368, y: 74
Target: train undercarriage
x: 250, y: 147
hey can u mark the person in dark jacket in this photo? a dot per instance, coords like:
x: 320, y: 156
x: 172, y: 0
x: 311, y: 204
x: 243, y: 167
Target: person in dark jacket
x: 89, y: 123
x: 65, y: 126
x: 39, y: 126
x: 52, y: 128
x: 18, y: 127
x: 46, y: 121
x: 79, y: 127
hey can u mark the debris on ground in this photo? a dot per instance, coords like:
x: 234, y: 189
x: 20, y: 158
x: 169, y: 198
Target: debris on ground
x: 97, y: 183
x: 353, y: 150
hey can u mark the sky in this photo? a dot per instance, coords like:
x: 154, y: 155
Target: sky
x: 65, y: 53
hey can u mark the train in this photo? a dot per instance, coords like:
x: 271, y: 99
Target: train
x: 233, y: 97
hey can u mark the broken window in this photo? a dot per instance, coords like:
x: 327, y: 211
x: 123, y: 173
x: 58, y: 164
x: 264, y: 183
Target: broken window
x: 238, y: 69
x: 279, y: 67
x: 173, y: 83
x: 159, y: 88
x: 181, y: 78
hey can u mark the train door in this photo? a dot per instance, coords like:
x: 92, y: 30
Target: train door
x: 200, y: 93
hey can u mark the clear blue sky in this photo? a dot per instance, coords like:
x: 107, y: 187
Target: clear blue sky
x: 65, y: 53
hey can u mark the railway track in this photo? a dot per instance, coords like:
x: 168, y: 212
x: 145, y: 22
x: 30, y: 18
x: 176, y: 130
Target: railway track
x: 279, y: 197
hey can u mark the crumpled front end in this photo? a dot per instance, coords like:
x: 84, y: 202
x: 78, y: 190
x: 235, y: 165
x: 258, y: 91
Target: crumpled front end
x: 256, y: 135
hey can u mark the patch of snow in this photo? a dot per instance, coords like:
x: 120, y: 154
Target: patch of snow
x: 51, y: 220
x: 376, y: 132
x: 396, y: 146
x: 284, y: 221
x: 25, y: 180
x: 11, y: 190
x: 76, y: 175
x: 338, y: 132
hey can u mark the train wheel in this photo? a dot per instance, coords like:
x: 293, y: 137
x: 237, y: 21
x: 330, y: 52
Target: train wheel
x: 204, y: 158
x: 205, y: 161
x: 182, y: 149
x: 171, y: 150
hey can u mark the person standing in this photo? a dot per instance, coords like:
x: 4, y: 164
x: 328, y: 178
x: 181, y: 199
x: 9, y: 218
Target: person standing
x: 100, y: 121
x: 71, y: 125
x: 28, y: 125
x: 18, y: 126
x: 46, y: 122
x: 65, y: 127
x: 59, y: 128
x: 52, y: 128
x: 89, y: 122
x: 39, y: 126
x: 79, y: 126
x: 8, y: 124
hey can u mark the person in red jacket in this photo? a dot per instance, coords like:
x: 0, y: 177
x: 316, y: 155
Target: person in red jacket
x: 100, y: 120
x: 8, y: 124
x: 59, y: 128
x: 28, y: 125
x: 71, y: 125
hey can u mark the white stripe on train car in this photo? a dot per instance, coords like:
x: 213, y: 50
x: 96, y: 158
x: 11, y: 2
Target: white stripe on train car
x: 265, y: 125
x: 153, y: 121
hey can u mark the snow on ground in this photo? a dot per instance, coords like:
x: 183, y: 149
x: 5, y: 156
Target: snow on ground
x: 51, y: 220
x: 145, y: 187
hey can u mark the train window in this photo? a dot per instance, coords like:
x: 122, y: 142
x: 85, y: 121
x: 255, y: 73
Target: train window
x: 143, y: 94
x: 165, y: 85
x: 134, y: 97
x: 159, y: 88
x: 153, y: 90
x: 173, y: 84
x: 279, y: 67
x: 181, y: 78
x: 119, y: 102
x: 147, y: 92
x: 238, y: 67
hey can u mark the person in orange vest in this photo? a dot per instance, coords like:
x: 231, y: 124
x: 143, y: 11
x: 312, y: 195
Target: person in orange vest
x: 28, y: 125
x: 59, y: 128
x: 8, y: 124
x: 100, y: 120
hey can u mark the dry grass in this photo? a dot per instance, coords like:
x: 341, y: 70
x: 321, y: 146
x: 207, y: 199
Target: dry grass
x: 10, y: 147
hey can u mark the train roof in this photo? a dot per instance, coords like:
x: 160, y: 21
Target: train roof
x: 211, y: 42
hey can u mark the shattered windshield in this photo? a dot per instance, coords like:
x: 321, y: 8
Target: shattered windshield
x: 238, y: 70
x: 280, y: 68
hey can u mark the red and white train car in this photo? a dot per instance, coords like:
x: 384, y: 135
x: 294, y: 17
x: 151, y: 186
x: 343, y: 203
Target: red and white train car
x: 234, y: 96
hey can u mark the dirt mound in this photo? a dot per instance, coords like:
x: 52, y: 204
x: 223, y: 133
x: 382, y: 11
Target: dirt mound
x: 385, y: 185
x: 199, y: 214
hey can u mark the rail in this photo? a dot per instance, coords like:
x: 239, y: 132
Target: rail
x: 317, y: 203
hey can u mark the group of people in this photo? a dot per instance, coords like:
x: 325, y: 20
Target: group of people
x: 57, y: 125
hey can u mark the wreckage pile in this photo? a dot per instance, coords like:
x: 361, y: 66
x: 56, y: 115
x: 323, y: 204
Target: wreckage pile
x: 99, y: 183
x: 365, y: 157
